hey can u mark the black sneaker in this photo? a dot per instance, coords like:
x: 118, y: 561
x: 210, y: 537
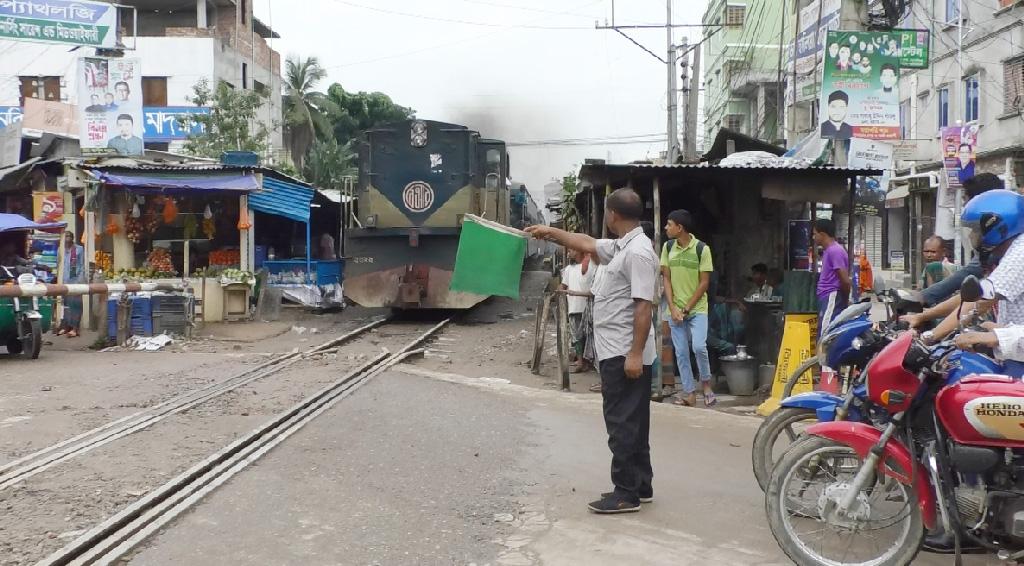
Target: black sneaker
x: 644, y: 498
x: 613, y: 505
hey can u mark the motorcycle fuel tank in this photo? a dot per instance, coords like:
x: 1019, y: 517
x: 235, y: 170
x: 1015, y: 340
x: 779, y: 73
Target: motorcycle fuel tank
x: 984, y: 410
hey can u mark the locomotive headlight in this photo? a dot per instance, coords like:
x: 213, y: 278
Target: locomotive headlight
x: 371, y: 221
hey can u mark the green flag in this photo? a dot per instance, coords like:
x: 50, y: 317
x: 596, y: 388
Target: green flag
x: 490, y: 258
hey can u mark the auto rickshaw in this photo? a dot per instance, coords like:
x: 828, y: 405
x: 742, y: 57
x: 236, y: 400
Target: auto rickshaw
x: 23, y: 320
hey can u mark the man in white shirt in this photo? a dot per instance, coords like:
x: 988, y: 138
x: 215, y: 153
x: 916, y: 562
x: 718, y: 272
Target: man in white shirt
x: 624, y: 343
x: 577, y: 279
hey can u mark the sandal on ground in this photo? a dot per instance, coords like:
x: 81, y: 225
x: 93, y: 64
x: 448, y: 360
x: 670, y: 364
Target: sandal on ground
x: 710, y: 400
x: 595, y: 388
x: 685, y: 401
x: 72, y: 334
x: 61, y: 332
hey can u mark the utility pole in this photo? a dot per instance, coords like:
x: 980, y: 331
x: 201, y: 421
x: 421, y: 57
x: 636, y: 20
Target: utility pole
x: 958, y: 194
x: 672, y: 155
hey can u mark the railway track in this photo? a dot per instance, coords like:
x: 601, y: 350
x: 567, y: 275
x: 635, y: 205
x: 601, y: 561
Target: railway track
x: 111, y: 540
x: 37, y: 462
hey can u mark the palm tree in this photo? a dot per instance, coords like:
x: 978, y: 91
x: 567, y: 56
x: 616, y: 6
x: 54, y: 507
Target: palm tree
x: 305, y: 109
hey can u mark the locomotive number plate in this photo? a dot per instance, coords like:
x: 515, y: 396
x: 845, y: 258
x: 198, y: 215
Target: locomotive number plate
x: 418, y: 196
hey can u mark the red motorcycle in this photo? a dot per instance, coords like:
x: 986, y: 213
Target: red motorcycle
x: 951, y: 459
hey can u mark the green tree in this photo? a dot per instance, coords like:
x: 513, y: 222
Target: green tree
x: 328, y: 163
x: 360, y: 111
x: 570, y: 214
x: 305, y: 109
x: 231, y: 125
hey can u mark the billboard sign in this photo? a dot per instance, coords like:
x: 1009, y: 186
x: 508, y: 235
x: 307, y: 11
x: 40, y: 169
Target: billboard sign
x: 913, y: 46
x: 10, y: 115
x: 50, y: 116
x: 860, y: 87
x: 959, y: 150
x: 816, y: 20
x: 870, y: 154
x: 170, y: 123
x: 110, y: 103
x: 74, y: 22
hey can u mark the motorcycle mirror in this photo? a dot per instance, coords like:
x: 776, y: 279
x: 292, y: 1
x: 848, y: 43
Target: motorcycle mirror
x: 970, y: 290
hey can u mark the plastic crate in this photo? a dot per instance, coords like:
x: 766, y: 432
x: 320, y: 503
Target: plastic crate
x: 170, y: 303
x: 171, y: 325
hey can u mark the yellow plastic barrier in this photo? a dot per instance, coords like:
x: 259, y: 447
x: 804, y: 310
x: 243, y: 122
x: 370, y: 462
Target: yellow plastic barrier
x: 799, y: 343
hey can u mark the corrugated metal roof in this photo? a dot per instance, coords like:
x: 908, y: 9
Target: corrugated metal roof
x: 281, y: 198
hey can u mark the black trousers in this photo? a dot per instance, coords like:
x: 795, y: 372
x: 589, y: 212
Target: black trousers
x: 627, y: 417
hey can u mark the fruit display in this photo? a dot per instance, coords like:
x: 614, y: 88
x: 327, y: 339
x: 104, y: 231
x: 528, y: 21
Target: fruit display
x: 113, y: 224
x: 159, y: 260
x: 229, y: 276
x: 104, y: 261
x: 133, y: 229
x: 225, y: 257
x: 170, y: 212
x: 137, y: 274
x: 209, y: 228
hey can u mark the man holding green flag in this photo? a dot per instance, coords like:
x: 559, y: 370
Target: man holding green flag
x: 624, y: 344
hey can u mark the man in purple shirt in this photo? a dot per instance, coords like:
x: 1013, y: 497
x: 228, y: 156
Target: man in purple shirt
x: 834, y: 282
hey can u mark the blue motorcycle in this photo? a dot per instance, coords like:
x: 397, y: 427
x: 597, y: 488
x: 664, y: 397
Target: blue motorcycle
x: 847, y: 344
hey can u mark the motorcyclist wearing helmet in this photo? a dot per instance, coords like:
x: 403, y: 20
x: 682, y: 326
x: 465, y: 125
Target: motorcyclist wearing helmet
x: 993, y: 223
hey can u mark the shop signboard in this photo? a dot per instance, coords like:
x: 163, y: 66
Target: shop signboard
x: 72, y: 22
x: 959, y: 149
x: 110, y: 101
x: 47, y: 207
x: 871, y: 154
x: 816, y: 20
x: 170, y: 123
x: 897, y: 260
x: 860, y: 91
x: 913, y: 45
x: 10, y: 115
x: 50, y: 117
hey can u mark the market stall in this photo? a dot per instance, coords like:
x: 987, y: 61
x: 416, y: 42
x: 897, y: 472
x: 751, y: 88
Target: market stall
x: 181, y: 224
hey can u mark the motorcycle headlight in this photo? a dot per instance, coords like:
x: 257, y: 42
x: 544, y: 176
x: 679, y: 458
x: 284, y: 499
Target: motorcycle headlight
x: 857, y: 343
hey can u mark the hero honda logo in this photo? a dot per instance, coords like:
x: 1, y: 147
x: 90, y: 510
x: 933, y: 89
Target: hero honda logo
x: 418, y: 196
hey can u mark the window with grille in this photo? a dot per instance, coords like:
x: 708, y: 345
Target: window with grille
x: 734, y: 122
x: 943, y: 107
x: 905, y: 125
x: 735, y: 14
x: 972, y: 98
x: 45, y: 88
x: 1013, y: 85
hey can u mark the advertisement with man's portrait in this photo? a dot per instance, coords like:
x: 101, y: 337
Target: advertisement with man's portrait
x: 959, y: 146
x: 860, y: 91
x: 111, y: 96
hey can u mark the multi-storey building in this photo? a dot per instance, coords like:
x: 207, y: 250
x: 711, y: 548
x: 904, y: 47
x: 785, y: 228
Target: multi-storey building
x: 178, y: 43
x: 743, y: 68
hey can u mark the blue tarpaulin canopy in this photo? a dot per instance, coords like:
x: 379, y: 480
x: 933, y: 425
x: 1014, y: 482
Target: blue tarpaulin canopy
x: 206, y: 181
x: 281, y: 198
x: 18, y: 223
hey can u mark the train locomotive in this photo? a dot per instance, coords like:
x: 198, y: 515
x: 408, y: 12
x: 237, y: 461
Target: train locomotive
x: 417, y: 180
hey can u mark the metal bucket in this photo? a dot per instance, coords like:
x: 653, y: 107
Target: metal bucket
x: 740, y: 374
x: 765, y: 375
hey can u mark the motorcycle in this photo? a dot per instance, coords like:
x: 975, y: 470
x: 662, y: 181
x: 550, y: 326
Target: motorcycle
x: 848, y: 343
x: 950, y: 457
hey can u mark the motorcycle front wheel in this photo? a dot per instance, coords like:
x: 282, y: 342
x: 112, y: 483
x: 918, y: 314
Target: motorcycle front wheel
x: 883, y: 527
x: 775, y: 435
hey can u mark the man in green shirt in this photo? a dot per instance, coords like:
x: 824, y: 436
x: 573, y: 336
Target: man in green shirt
x: 686, y: 267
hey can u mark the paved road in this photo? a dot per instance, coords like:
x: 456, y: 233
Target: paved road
x: 418, y: 467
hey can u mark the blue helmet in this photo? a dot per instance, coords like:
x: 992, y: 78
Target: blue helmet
x: 993, y: 218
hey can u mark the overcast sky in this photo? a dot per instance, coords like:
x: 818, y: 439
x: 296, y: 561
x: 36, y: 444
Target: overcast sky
x: 500, y: 68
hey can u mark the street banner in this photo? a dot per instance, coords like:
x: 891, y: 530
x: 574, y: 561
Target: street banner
x: 169, y: 123
x: 10, y: 145
x: 871, y: 154
x: 10, y: 115
x: 959, y: 144
x: 110, y: 102
x: 489, y: 260
x: 50, y: 117
x: 816, y: 20
x: 860, y: 91
x: 914, y: 47
x: 47, y: 207
x: 72, y: 22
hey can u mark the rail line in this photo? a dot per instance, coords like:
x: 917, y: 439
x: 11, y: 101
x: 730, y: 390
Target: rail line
x: 114, y: 538
x: 29, y: 465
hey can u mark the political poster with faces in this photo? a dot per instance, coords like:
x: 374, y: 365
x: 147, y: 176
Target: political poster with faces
x: 860, y: 91
x: 110, y: 103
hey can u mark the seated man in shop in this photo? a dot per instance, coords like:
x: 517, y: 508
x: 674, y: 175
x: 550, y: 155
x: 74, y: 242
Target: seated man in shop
x: 759, y: 277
